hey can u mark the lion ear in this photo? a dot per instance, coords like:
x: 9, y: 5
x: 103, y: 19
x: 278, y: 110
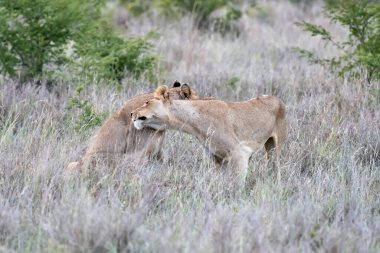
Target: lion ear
x: 187, y: 92
x: 162, y: 92
x: 176, y: 84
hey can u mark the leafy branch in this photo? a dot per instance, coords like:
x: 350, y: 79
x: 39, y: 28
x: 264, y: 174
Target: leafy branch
x: 360, y: 51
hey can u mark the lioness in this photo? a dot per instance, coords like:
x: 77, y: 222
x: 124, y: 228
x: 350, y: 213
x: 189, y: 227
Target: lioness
x: 230, y: 131
x: 117, y: 135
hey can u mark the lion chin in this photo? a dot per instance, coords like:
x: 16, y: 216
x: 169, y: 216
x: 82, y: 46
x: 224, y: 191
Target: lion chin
x: 138, y: 124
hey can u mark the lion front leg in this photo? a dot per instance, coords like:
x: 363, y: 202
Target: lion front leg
x: 237, y: 167
x: 153, y: 147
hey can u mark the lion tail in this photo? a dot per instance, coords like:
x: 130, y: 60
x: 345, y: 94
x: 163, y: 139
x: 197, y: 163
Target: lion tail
x: 281, y: 123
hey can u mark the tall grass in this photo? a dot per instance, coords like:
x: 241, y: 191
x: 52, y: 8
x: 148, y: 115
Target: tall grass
x: 328, y: 199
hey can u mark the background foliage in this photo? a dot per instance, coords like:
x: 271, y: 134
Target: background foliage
x: 359, y: 53
x: 216, y: 15
x: 101, y: 54
x: 34, y: 36
x: 33, y: 33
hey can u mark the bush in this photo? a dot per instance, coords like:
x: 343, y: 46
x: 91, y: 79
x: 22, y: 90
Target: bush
x: 33, y: 32
x: 87, y: 118
x: 303, y: 2
x: 102, y: 54
x: 202, y: 11
x: 137, y: 7
x: 360, y: 51
x: 34, y: 35
x: 215, y: 14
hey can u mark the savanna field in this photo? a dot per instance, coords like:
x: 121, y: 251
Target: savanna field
x: 328, y: 199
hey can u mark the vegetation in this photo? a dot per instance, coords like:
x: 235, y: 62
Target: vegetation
x: 137, y: 7
x: 33, y: 33
x: 360, y: 51
x: 34, y: 36
x: 328, y: 198
x: 201, y: 11
x: 102, y: 55
x: 87, y: 118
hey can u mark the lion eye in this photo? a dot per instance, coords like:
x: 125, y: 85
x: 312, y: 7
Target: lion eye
x: 147, y: 102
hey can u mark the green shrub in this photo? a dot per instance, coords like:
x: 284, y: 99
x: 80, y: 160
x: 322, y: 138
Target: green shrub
x: 137, y: 7
x: 215, y: 14
x: 263, y: 13
x: 87, y: 118
x: 303, y: 2
x: 200, y: 9
x: 360, y: 51
x: 233, y: 81
x: 33, y: 32
x: 102, y: 54
x: 222, y: 20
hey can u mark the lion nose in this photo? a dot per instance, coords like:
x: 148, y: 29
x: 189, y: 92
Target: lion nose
x: 141, y: 118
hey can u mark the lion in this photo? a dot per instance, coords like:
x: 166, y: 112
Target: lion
x: 118, y: 136
x: 230, y: 131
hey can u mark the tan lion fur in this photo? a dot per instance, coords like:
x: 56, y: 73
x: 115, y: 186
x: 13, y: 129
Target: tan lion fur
x: 118, y: 136
x: 230, y: 131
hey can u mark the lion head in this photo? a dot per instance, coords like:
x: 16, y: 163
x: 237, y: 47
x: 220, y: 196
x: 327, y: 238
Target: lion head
x: 154, y: 112
x: 179, y: 91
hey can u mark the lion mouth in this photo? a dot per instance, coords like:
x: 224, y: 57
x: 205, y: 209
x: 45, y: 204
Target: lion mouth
x: 142, y: 122
x: 156, y: 126
x: 138, y: 124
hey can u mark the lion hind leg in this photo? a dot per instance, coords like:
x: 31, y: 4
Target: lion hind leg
x: 272, y: 150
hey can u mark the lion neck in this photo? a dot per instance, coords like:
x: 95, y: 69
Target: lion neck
x: 183, y: 116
